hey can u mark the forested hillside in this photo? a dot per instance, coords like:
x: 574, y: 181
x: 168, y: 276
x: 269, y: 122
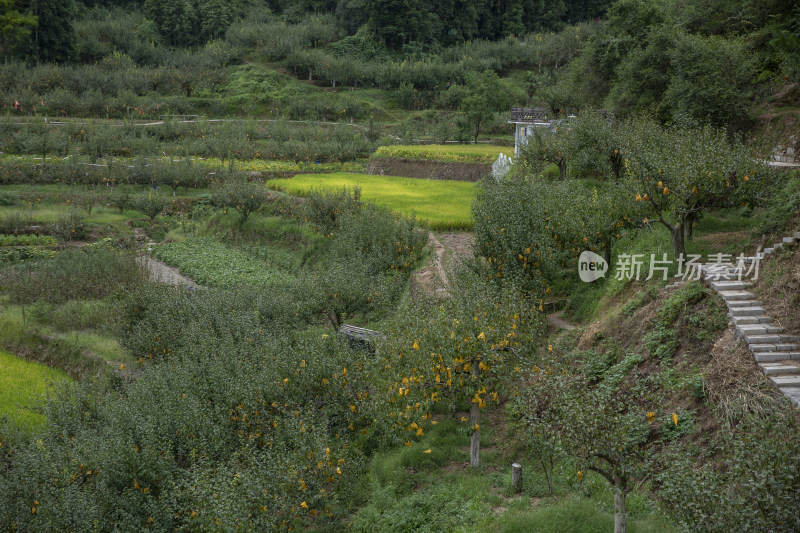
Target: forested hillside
x: 711, y: 62
x: 259, y: 270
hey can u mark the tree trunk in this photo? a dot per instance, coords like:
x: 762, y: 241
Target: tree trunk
x: 678, y: 245
x: 689, y: 229
x: 475, y: 442
x: 620, y: 516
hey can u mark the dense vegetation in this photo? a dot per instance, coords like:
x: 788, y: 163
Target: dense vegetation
x: 229, y: 140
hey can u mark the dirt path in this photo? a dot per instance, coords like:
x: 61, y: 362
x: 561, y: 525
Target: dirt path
x: 448, y: 249
x: 163, y: 273
x: 555, y: 320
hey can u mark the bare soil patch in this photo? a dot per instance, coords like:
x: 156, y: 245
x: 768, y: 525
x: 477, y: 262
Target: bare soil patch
x: 448, y: 249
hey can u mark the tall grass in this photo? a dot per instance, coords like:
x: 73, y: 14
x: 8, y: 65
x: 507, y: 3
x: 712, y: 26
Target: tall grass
x: 441, y: 205
x: 22, y: 385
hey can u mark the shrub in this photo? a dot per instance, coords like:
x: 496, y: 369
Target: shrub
x: 72, y: 274
x: 240, y: 194
x: 151, y: 204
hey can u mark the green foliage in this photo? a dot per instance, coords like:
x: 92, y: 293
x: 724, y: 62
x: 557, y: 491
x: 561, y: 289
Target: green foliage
x: 379, y: 240
x: 72, y: 274
x: 437, y: 204
x: 678, y: 173
x: 151, y: 204
x: 605, y: 424
x: 474, y: 153
x: 24, y: 385
x: 15, y: 27
x: 526, y: 234
x: 27, y: 240
x: 782, y: 203
x: 324, y: 209
x: 240, y: 194
x: 464, y: 351
x: 662, y: 339
x: 754, y: 487
x: 485, y: 96
x: 209, y: 262
x: 712, y: 80
x: 233, y: 408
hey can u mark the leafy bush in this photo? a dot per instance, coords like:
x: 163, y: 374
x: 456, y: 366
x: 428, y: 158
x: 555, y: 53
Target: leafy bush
x: 240, y: 194
x: 151, y: 204
x: 753, y: 486
x: 72, y: 274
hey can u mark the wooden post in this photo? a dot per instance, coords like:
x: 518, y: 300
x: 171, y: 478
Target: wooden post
x: 516, y: 477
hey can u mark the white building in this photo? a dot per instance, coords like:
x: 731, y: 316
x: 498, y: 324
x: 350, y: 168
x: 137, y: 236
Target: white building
x: 526, y: 120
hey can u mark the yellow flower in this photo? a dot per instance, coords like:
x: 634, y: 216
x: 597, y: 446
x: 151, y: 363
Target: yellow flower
x: 476, y: 427
x: 580, y: 475
x: 549, y: 347
x: 415, y: 346
x: 427, y: 451
x: 651, y: 416
x: 675, y: 419
x: 304, y: 505
x: 482, y: 336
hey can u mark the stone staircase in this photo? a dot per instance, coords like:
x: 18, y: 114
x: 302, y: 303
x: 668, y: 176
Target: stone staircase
x: 776, y: 353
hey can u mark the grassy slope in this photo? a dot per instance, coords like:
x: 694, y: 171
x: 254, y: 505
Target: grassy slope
x: 437, y: 204
x: 23, y: 384
x: 430, y: 487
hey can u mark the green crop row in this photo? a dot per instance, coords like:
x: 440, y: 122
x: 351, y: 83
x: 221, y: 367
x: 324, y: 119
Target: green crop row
x: 469, y: 153
x: 209, y: 262
x: 27, y: 240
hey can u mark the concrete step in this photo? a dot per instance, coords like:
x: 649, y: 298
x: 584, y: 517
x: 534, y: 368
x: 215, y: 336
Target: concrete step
x: 755, y: 340
x: 756, y: 348
x: 786, y: 381
x: 759, y: 329
x: 786, y: 347
x: 773, y: 347
x: 782, y: 368
x: 747, y: 311
x: 746, y: 320
x: 768, y: 251
x: 789, y: 240
x: 793, y: 393
x: 729, y: 285
x: 743, y: 303
x: 768, y: 357
x: 736, y: 296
